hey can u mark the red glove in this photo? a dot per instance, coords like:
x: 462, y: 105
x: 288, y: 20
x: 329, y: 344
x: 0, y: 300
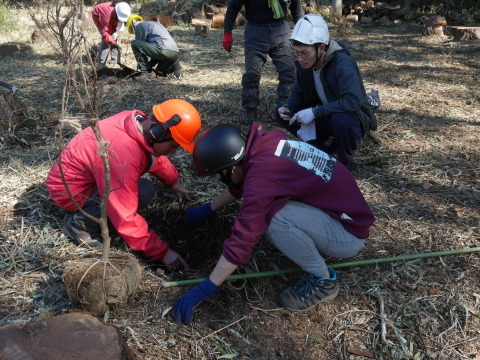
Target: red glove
x: 227, y: 41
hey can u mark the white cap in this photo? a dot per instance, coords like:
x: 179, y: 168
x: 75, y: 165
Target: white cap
x: 311, y: 29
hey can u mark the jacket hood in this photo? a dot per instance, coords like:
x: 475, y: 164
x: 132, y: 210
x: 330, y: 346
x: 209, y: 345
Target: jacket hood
x: 134, y: 132
x: 336, y: 46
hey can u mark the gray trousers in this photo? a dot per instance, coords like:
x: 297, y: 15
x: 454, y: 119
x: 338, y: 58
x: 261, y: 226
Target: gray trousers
x: 262, y: 41
x: 305, y: 234
x: 146, y: 191
x: 105, y: 49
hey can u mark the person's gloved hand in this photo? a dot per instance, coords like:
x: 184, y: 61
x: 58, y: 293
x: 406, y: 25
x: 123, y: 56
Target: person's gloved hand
x: 307, y: 132
x: 199, y: 215
x: 185, y: 305
x: 116, y: 46
x: 227, y: 41
x: 304, y: 116
x: 173, y: 260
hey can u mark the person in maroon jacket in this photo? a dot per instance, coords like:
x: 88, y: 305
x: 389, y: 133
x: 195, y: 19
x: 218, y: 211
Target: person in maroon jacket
x: 308, y: 204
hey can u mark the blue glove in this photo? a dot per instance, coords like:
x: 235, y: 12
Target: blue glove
x: 199, y: 215
x: 185, y: 305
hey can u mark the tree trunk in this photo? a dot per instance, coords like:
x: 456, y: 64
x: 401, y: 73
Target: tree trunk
x: 407, y: 4
x: 12, y: 110
x: 337, y: 7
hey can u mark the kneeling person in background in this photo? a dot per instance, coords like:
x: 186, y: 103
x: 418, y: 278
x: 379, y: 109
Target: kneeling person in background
x: 152, y: 40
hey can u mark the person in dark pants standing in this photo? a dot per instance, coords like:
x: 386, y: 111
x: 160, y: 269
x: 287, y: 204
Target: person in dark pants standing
x: 266, y: 34
x: 328, y: 106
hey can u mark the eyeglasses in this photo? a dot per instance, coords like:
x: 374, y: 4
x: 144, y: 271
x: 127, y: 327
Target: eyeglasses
x: 303, y: 55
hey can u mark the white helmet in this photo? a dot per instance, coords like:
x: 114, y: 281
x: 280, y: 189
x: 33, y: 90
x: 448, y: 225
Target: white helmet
x: 311, y: 29
x: 123, y: 12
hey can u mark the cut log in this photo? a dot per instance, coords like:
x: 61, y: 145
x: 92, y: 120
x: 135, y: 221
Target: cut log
x: 352, y: 18
x: 218, y: 20
x: 202, y: 22
x: 13, y: 112
x: 215, y: 9
x: 148, y: 17
x: 70, y: 336
x: 397, y: 14
x: 166, y: 21
x: 384, y: 21
x: 366, y: 20
x: 202, y: 30
x: 465, y: 33
x: 433, y: 31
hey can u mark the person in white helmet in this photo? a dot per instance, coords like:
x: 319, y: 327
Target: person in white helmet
x: 328, y: 106
x: 109, y: 18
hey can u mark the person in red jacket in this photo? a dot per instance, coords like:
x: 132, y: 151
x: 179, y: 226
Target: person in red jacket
x: 109, y: 18
x: 137, y: 144
x: 305, y: 201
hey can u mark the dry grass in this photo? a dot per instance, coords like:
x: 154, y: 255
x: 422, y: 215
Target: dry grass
x: 421, y: 178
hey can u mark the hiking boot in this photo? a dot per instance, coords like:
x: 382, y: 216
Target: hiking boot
x: 250, y: 116
x: 80, y: 237
x: 177, y: 70
x: 309, y: 291
x: 144, y: 75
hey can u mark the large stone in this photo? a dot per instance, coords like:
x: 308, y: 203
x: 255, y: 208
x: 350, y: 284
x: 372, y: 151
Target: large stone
x: 79, y: 336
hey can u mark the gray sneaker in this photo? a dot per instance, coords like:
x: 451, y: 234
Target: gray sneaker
x: 309, y: 291
x: 80, y: 237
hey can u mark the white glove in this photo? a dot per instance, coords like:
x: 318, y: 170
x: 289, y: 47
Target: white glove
x: 307, y: 132
x: 304, y: 116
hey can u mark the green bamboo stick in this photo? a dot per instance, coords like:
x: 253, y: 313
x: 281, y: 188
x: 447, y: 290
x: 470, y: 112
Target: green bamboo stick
x: 214, y: 64
x: 168, y: 284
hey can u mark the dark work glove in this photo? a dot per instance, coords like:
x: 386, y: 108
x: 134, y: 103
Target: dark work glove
x: 199, y: 215
x: 116, y: 46
x: 185, y: 305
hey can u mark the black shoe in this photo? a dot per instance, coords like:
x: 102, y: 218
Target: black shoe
x: 250, y: 116
x: 80, y: 237
x: 144, y: 75
x: 177, y: 70
x: 309, y: 291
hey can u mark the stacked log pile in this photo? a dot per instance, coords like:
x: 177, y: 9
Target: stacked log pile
x: 368, y: 12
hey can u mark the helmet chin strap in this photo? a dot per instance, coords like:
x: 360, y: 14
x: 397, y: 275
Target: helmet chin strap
x: 319, y: 58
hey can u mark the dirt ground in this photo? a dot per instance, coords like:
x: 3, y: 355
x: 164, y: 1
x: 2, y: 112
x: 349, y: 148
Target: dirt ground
x: 420, y: 174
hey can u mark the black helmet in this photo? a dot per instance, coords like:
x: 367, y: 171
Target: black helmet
x: 219, y: 148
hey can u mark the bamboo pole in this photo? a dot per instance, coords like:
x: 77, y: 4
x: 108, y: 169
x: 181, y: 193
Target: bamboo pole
x: 333, y: 266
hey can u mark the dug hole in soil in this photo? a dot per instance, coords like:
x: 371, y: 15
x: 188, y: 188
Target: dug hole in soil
x: 94, y: 285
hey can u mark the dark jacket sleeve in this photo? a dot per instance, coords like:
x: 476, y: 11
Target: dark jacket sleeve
x: 141, y: 33
x: 296, y: 10
x: 344, y: 89
x: 303, y: 94
x: 233, y: 8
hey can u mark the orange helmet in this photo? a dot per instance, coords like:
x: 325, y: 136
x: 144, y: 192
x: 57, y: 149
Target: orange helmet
x: 185, y: 132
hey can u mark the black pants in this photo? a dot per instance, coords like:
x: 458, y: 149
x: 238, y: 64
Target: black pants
x: 146, y: 191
